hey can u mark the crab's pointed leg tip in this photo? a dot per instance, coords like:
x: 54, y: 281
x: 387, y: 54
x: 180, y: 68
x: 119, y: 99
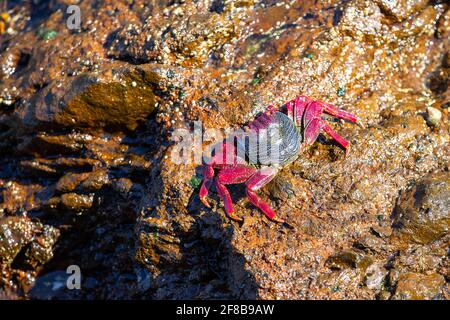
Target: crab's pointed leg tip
x: 347, y: 151
x: 358, y: 122
x: 278, y: 219
x: 235, y: 218
x: 205, y: 202
x: 289, y: 226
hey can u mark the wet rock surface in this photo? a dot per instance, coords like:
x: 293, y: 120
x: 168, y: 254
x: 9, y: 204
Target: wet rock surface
x: 87, y: 178
x: 411, y: 286
x: 423, y: 214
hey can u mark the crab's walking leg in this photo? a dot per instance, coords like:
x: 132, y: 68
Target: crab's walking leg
x: 208, y: 175
x: 256, y: 182
x: 224, y: 155
x: 338, y: 113
x: 232, y: 175
x: 314, y: 124
x: 228, y: 203
x: 341, y: 141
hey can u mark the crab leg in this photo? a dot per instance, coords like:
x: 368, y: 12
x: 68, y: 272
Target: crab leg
x: 208, y: 175
x: 312, y: 130
x: 314, y: 124
x: 228, y: 203
x: 338, y: 113
x: 256, y: 182
x: 231, y: 175
x: 224, y: 155
x: 341, y: 141
x: 296, y: 107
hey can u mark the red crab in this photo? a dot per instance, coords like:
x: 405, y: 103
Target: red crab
x: 298, y: 129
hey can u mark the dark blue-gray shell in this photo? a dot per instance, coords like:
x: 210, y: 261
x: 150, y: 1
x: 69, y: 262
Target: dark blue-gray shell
x: 278, y: 144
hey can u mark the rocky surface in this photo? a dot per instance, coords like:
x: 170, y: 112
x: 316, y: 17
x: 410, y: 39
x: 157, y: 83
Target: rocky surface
x: 423, y: 213
x: 87, y: 178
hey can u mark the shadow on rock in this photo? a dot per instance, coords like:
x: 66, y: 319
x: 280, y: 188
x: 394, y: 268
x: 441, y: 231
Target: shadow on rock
x: 208, y: 266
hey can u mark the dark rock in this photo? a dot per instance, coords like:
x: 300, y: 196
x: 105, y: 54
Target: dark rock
x: 118, y: 98
x: 51, y: 286
x: 20, y: 233
x: 55, y: 167
x: 122, y: 186
x: 77, y: 202
x: 41, y: 249
x: 345, y: 259
x: 15, y: 233
x: 70, y: 181
x: 339, y: 284
x: 95, y: 181
x: 423, y: 213
x: 381, y: 231
x: 18, y: 197
x: 282, y: 189
x: 45, y: 144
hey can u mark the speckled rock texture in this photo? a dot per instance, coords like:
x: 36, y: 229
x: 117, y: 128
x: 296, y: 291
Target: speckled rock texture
x: 87, y: 178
